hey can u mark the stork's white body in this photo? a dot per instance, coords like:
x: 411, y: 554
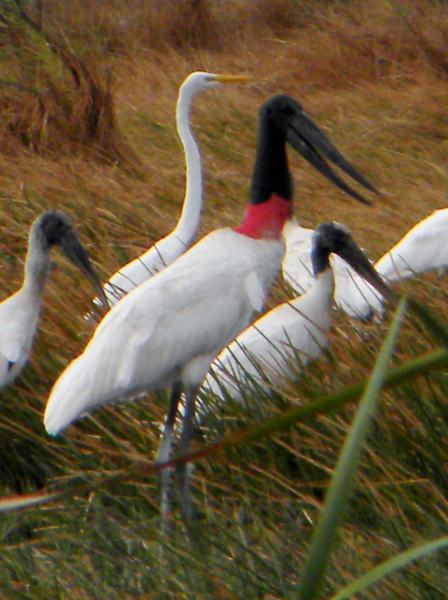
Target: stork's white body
x: 423, y: 248
x: 263, y: 353
x: 171, y: 327
x: 19, y: 315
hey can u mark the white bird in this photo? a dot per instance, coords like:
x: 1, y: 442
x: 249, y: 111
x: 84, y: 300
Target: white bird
x: 423, y: 248
x: 168, y: 248
x: 168, y: 330
x: 293, y: 333
x: 353, y: 294
x: 19, y: 314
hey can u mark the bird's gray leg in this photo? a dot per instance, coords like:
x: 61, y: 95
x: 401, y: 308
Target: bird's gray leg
x: 181, y: 467
x: 164, y: 452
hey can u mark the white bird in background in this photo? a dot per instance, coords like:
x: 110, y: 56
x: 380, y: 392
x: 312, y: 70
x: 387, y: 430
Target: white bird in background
x: 423, y: 248
x: 293, y: 333
x: 168, y: 248
x: 19, y: 314
x: 168, y: 330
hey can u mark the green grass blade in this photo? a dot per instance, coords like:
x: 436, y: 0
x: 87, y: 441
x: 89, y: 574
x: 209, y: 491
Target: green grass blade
x: 394, y: 563
x: 334, y: 509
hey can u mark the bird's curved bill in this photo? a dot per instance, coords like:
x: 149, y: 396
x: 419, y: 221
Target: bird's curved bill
x: 356, y: 258
x: 230, y: 78
x: 310, y: 142
x: 75, y: 252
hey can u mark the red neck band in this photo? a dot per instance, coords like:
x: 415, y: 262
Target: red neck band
x: 266, y: 220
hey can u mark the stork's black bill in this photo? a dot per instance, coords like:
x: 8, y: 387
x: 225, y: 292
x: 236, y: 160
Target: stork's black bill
x: 332, y: 237
x: 58, y: 230
x: 306, y: 137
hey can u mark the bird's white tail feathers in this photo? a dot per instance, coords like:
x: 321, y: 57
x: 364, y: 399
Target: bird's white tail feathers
x: 69, y: 398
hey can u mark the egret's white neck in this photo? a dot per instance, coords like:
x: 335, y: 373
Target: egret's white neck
x: 36, y: 263
x: 191, y: 209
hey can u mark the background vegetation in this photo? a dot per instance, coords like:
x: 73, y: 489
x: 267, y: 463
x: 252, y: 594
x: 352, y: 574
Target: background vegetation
x: 87, y: 98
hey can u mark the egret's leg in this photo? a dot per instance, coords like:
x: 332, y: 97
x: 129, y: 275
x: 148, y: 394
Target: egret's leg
x: 164, y: 451
x: 182, y: 467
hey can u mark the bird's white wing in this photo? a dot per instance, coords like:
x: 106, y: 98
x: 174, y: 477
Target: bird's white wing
x: 189, y: 310
x: 423, y: 248
x: 18, y: 323
x: 135, y: 272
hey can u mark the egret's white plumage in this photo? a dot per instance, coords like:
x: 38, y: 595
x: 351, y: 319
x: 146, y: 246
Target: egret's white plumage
x: 168, y: 330
x: 423, y: 248
x: 168, y: 248
x: 19, y: 314
x: 268, y: 352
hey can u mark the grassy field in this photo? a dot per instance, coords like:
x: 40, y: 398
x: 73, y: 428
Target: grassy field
x: 87, y: 101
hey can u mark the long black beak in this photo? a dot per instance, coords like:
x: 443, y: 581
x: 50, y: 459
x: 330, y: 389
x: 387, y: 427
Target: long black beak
x: 306, y: 137
x: 356, y: 258
x: 75, y: 252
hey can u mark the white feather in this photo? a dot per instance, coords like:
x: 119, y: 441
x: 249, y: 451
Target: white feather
x: 175, y: 322
x: 262, y: 352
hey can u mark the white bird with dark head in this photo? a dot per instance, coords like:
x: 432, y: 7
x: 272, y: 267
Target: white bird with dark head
x: 19, y: 314
x: 352, y: 293
x: 167, y: 331
x: 168, y: 248
x: 423, y: 248
x: 270, y: 351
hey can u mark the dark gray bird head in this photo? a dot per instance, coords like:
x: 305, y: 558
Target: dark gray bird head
x: 283, y: 119
x: 57, y: 230
x: 332, y: 237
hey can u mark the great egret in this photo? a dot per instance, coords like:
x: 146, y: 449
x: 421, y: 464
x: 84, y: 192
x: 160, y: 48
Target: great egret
x: 167, y: 331
x: 269, y: 350
x: 168, y: 248
x: 423, y: 248
x: 19, y: 314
